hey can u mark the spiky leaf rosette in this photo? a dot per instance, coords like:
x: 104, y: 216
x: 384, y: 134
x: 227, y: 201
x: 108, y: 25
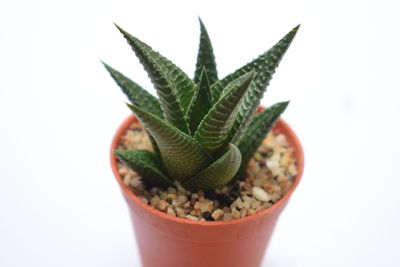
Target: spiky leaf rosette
x: 204, y: 129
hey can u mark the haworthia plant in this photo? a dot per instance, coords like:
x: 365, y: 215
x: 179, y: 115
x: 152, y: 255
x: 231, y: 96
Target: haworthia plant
x: 204, y: 130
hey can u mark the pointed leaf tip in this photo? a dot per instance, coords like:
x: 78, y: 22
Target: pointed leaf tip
x: 205, y: 57
x: 135, y: 93
x: 174, y: 88
x: 200, y: 21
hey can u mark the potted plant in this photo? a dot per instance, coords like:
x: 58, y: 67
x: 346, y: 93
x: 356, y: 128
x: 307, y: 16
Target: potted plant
x: 205, y: 179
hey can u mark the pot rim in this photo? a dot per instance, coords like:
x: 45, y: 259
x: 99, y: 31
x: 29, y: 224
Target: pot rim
x: 300, y: 168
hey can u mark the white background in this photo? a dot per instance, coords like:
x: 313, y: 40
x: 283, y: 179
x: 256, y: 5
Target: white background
x: 59, y: 203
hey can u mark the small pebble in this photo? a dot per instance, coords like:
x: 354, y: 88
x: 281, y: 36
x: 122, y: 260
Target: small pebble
x: 171, y: 211
x: 142, y: 198
x: 235, y: 214
x: 162, y: 205
x: 135, y: 181
x: 193, y: 218
x: 260, y: 194
x: 217, y: 214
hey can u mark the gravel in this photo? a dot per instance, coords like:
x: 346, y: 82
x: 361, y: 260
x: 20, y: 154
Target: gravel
x: 269, y: 177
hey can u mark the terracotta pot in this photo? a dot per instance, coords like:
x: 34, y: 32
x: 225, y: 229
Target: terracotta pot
x: 167, y: 241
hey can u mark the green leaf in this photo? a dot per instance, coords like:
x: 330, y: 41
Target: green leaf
x: 201, y: 102
x: 265, y: 69
x: 183, y: 85
x: 174, y: 88
x: 181, y: 154
x: 257, y: 131
x: 205, y: 57
x: 135, y: 93
x: 214, y: 128
x: 264, y: 66
x: 146, y: 165
x: 138, y: 96
x: 217, y: 174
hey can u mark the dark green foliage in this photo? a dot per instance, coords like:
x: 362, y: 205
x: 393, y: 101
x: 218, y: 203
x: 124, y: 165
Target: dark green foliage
x: 181, y: 154
x: 136, y: 94
x: 218, y: 173
x: 256, y: 132
x: 205, y: 57
x: 146, y: 164
x: 167, y: 85
x: 214, y: 128
x: 201, y: 102
x: 204, y: 130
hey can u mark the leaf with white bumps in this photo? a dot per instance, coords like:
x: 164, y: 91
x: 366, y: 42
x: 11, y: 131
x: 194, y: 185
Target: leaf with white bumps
x: 205, y: 57
x: 174, y: 88
x: 257, y: 131
x: 201, y: 102
x: 217, y: 174
x: 146, y: 165
x: 181, y: 154
x: 214, y: 128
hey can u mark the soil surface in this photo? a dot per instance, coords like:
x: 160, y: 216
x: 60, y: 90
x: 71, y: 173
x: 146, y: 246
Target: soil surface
x: 270, y: 175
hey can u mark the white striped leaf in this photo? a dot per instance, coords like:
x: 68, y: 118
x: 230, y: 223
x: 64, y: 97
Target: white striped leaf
x: 174, y: 88
x: 265, y: 67
x: 146, y: 164
x: 135, y: 93
x: 181, y: 154
x: 201, y: 102
x: 214, y: 128
x: 217, y: 174
x: 257, y: 131
x: 205, y: 57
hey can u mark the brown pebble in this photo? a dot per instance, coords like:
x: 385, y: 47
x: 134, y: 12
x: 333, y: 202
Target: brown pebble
x: 197, y: 206
x: 227, y: 217
x: 259, y: 208
x: 286, y: 185
x: 193, y: 218
x: 208, y: 206
x: 162, y: 205
x: 249, y: 179
x: 217, y: 214
x: 171, y: 196
x: 235, y: 213
x: 154, y: 200
x: 243, y: 213
x: 171, y: 211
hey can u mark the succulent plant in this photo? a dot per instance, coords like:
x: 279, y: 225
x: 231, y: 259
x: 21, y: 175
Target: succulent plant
x: 204, y: 130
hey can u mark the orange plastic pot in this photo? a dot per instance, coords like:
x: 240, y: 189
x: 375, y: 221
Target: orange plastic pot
x: 167, y: 241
